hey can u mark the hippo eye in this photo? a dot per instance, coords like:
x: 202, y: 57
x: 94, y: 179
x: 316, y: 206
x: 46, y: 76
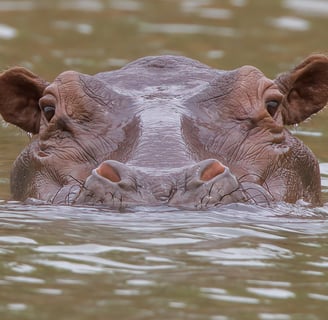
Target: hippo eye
x: 272, y: 106
x: 49, y: 112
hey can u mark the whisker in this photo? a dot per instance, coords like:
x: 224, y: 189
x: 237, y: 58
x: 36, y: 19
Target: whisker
x: 263, y: 185
x: 70, y: 192
x: 56, y: 194
x: 76, y: 180
x: 228, y: 194
x: 259, y: 194
x: 248, y: 175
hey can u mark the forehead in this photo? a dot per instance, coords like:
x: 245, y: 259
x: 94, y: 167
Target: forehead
x: 164, y: 78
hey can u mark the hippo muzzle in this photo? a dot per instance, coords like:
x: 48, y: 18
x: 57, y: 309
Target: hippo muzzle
x: 206, y: 184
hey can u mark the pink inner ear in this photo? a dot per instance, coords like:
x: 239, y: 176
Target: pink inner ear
x: 211, y: 171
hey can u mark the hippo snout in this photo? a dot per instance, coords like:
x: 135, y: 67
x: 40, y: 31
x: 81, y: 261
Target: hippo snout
x: 205, y: 184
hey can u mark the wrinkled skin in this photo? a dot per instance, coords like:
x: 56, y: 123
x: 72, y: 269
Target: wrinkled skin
x: 165, y: 130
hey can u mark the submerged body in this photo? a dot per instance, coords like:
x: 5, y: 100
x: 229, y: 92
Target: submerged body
x: 165, y: 130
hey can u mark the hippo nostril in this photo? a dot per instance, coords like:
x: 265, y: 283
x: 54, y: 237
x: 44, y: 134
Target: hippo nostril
x: 212, y: 170
x: 107, y: 171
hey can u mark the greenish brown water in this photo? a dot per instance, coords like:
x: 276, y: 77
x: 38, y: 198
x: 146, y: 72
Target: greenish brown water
x: 233, y: 263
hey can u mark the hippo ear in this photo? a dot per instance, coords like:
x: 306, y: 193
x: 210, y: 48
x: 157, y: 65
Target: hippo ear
x: 305, y: 89
x: 20, y: 91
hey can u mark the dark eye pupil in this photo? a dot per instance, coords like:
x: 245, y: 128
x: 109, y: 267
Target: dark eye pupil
x: 272, y: 107
x: 49, y: 112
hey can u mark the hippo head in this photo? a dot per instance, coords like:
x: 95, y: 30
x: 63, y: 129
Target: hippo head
x: 165, y: 130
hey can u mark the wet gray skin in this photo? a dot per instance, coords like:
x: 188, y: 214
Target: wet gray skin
x: 165, y: 130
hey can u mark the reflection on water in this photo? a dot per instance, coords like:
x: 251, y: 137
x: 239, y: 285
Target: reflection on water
x: 291, y: 23
x: 308, y: 7
x: 239, y: 262
x: 7, y: 32
x: 187, y: 29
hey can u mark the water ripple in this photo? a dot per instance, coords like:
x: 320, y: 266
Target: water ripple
x: 179, y: 28
x: 229, y: 233
x: 17, y: 240
x: 82, y: 5
x: 69, y: 266
x: 274, y: 316
x: 214, y: 13
x: 24, y: 279
x: 121, y: 266
x: 16, y: 5
x: 317, y: 296
x: 308, y: 7
x: 291, y: 23
x: 231, y: 298
x: 84, y: 248
x: 166, y: 241
x: 125, y: 5
x: 244, y: 256
x: 272, y: 293
x: 7, y: 32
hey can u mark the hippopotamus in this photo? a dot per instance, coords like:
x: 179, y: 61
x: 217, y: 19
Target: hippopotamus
x: 165, y: 130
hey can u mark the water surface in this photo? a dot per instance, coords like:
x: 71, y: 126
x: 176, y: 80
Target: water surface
x: 237, y: 262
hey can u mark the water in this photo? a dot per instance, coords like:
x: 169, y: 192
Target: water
x: 237, y: 262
